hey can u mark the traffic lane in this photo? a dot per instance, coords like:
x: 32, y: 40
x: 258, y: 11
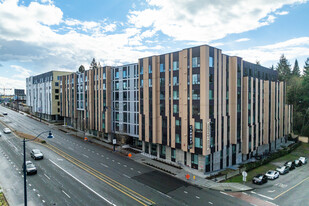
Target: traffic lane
x: 278, y: 187
x: 88, y: 185
x: 12, y: 183
x: 59, y: 191
x: 192, y: 195
x: 296, y: 196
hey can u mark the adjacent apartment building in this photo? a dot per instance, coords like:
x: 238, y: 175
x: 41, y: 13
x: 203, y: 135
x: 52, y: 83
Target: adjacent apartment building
x: 43, y: 96
x: 208, y: 110
x: 102, y: 101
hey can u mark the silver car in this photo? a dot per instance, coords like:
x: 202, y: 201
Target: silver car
x: 36, y: 154
x: 30, y: 168
x: 271, y: 174
x: 7, y: 130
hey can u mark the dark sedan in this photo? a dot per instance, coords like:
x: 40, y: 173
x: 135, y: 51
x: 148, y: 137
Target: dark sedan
x: 259, y: 179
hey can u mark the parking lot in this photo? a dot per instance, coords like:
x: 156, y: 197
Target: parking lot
x: 285, y: 185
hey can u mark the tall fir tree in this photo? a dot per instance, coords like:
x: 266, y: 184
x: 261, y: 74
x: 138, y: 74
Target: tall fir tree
x: 284, y: 69
x: 306, y: 67
x: 296, y: 70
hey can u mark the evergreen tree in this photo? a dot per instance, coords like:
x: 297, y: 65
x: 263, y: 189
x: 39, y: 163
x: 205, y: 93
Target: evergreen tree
x: 296, y: 70
x: 284, y: 69
x: 306, y: 67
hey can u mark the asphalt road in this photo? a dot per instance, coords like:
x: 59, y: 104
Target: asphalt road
x: 75, y: 172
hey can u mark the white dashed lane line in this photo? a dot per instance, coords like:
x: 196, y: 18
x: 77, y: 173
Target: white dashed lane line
x: 210, y: 203
x: 197, y: 197
x: 185, y: 192
x: 103, y: 165
x: 126, y: 175
x: 85, y: 155
x: 66, y: 194
x: 47, y: 176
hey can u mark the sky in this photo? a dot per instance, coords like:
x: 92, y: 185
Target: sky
x: 44, y: 35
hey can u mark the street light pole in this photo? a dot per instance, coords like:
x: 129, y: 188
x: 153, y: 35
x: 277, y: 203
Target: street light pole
x: 50, y: 135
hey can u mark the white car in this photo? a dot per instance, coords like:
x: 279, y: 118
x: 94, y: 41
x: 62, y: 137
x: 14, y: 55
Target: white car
x: 283, y: 170
x: 0, y: 134
x: 271, y: 174
x: 303, y: 160
x: 7, y: 130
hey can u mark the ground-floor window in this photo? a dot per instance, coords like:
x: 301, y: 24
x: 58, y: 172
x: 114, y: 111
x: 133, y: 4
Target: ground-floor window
x: 163, y: 151
x: 194, y: 161
x: 154, y: 149
x: 173, y: 155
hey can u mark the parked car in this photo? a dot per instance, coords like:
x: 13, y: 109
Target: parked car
x: 259, y: 179
x: 5, y: 113
x: 298, y: 163
x: 303, y: 160
x: 290, y: 164
x: 271, y: 174
x: 0, y: 134
x: 6, y: 130
x: 30, y: 168
x: 283, y: 170
x: 36, y: 154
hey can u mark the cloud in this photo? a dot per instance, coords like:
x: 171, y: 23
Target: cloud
x: 21, y: 72
x: 270, y: 54
x: 242, y: 40
x: 206, y: 20
x: 282, y: 13
x: 40, y: 37
x: 11, y: 83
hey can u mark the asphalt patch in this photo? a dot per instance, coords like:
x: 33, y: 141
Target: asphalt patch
x: 160, y: 181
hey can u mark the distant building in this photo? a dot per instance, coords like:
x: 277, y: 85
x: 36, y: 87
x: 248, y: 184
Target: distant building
x: 43, y: 94
x: 19, y: 95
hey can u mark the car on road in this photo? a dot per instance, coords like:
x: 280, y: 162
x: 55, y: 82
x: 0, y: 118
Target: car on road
x: 303, y: 160
x: 36, y: 154
x: 5, y: 113
x: 6, y: 130
x: 0, y: 134
x: 271, y: 174
x: 290, y: 164
x: 283, y: 170
x: 30, y: 168
x: 298, y: 163
x: 259, y: 179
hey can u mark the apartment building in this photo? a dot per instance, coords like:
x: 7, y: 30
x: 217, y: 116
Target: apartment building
x: 208, y: 110
x: 86, y: 100
x: 43, y: 96
x: 125, y: 102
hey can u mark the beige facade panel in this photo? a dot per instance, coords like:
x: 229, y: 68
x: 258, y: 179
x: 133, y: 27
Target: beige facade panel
x: 281, y: 107
x: 272, y: 111
x: 266, y: 112
x: 233, y: 99
x: 245, y: 133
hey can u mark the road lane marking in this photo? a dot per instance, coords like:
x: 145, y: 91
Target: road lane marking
x: 38, y: 195
x: 262, y: 195
x: 197, y: 197
x: 104, y: 178
x: 47, y: 176
x: 185, y: 192
x: 126, y: 176
x: 131, y: 168
x: 66, y: 194
x: 125, y: 165
x: 210, y: 203
x: 118, y: 163
x: 139, y: 172
x: 85, y: 155
x: 291, y: 188
x: 226, y: 194
x: 83, y: 184
x: 103, y: 165
x: 43, y: 201
x: 29, y: 185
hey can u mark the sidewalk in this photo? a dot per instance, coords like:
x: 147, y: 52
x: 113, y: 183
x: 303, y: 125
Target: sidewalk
x: 196, y: 177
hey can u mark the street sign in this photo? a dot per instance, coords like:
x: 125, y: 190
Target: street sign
x: 244, y: 176
x: 114, y: 141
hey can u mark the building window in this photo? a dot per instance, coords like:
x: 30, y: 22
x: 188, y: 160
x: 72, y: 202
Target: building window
x: 195, y: 94
x: 162, y: 81
x: 211, y: 62
x: 162, y: 68
x: 194, y: 159
x: 195, y: 62
x: 124, y: 85
x: 142, y: 83
x: 178, y: 140
x: 117, y: 85
x: 56, y: 91
x: 56, y: 84
x: 175, y: 65
x: 175, y: 81
x: 124, y: 74
x: 211, y: 78
x: 198, y: 126
x: 149, y: 69
x: 117, y: 75
x: 104, y: 75
x: 150, y: 82
x: 195, y: 110
x: 178, y: 123
x: 195, y: 79
x: 162, y: 95
x: 141, y: 72
x: 173, y: 154
x: 175, y: 94
x: 57, y: 97
x: 198, y: 142
x: 175, y: 108
x: 211, y: 96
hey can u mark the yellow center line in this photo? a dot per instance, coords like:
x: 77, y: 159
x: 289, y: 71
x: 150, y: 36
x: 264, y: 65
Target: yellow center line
x: 88, y: 169
x: 291, y: 188
x: 102, y: 174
